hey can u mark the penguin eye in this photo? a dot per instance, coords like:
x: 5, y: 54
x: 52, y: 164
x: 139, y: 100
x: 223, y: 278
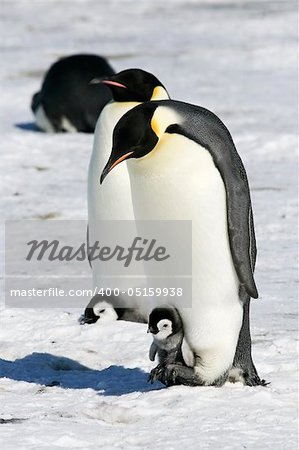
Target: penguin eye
x: 165, y: 325
x: 101, y: 311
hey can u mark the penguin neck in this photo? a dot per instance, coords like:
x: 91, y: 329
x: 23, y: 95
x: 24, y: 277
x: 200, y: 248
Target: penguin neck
x: 159, y: 93
x: 124, y: 105
x: 102, y: 142
x: 162, y: 118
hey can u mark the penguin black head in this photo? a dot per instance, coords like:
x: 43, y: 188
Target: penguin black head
x: 139, y: 130
x: 133, y: 136
x: 164, y: 322
x: 135, y: 85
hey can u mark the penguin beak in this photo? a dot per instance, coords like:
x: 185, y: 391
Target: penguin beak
x: 110, y: 165
x: 151, y: 330
x: 83, y: 320
x: 107, y: 82
x: 114, y: 84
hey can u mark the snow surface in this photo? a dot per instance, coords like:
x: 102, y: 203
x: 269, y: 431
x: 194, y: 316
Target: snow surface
x: 68, y: 386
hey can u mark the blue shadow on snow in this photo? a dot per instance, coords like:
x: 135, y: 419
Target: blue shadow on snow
x: 28, y: 126
x: 50, y: 370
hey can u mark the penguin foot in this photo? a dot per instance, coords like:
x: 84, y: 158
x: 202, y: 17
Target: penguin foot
x: 82, y: 320
x: 170, y: 375
x: 165, y: 374
x: 254, y: 380
x: 156, y: 374
x: 175, y: 374
x: 246, y: 376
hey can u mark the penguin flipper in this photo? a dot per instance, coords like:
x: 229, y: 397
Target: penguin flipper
x: 241, y: 231
x: 153, y: 351
x: 239, y: 210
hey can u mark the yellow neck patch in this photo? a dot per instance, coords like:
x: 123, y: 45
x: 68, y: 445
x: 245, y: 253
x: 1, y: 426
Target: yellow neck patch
x: 156, y: 127
x: 159, y: 93
x: 162, y: 118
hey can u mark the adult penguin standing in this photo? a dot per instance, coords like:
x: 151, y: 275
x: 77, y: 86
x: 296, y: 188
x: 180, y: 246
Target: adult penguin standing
x: 113, y: 201
x: 183, y: 165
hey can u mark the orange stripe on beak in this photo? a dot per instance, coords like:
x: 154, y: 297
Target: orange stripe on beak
x: 108, y: 169
x: 119, y: 160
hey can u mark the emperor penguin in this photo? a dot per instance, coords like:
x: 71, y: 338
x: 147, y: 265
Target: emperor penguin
x: 183, y: 165
x: 166, y: 326
x: 103, y: 311
x: 98, y: 310
x: 67, y: 101
x: 113, y: 201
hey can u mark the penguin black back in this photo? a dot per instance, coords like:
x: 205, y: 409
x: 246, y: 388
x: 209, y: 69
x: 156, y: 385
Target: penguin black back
x: 67, y: 100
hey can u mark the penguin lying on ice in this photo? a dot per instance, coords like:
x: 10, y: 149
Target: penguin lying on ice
x: 68, y: 101
x: 104, y: 312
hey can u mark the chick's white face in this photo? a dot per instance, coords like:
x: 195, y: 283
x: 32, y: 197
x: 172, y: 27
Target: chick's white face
x: 105, y: 312
x: 165, y: 329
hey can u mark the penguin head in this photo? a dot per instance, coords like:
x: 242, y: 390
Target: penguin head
x: 99, y: 310
x: 135, y: 85
x: 138, y: 132
x: 164, y: 322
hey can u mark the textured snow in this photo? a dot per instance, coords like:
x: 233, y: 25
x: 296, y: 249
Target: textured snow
x: 68, y: 386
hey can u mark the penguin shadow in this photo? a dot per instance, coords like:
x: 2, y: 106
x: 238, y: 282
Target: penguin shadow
x: 28, y: 126
x: 49, y: 370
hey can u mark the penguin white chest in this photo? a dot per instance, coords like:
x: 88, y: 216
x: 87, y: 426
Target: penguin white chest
x: 42, y: 120
x: 112, y: 200
x: 179, y: 181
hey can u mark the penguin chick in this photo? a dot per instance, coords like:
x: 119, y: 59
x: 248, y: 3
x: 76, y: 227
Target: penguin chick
x: 166, y: 326
x: 98, y: 309
x: 103, y: 310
